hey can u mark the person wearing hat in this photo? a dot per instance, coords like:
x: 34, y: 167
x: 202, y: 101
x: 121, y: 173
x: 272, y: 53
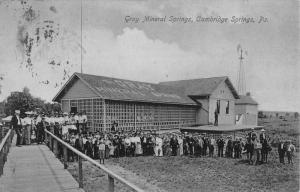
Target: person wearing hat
x: 250, y: 134
x: 76, y: 120
x: 229, y: 147
x: 16, y: 124
x: 84, y: 120
x: 56, y: 126
x: 201, y: 144
x: 72, y: 118
x: 27, y: 123
x: 66, y: 118
x: 262, y: 136
x: 79, y: 145
x: 40, y: 125
x: 158, y: 146
x: 257, y: 151
x: 33, y: 128
x: 290, y: 151
x: 61, y: 119
x: 180, y: 143
x: 114, y: 127
x: 205, y: 145
x: 211, y: 146
x: 101, y: 151
x: 266, y: 148
x: 281, y: 150
x: 80, y: 123
x: 220, y: 143
x: 143, y: 143
x: 174, y: 145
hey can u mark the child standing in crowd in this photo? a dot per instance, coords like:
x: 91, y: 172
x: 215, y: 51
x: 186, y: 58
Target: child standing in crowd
x: 101, y: 151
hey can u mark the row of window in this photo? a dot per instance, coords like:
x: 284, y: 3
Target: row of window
x: 147, y: 115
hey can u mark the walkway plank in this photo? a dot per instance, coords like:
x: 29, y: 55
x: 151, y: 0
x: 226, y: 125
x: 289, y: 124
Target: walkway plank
x: 34, y: 168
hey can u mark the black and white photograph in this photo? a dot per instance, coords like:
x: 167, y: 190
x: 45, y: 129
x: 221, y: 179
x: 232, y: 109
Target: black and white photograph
x: 149, y: 95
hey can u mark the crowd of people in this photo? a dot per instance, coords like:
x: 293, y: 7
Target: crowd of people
x: 101, y: 145
x: 31, y: 127
x: 106, y: 145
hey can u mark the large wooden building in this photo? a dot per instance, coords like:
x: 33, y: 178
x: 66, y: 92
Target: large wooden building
x: 146, y: 106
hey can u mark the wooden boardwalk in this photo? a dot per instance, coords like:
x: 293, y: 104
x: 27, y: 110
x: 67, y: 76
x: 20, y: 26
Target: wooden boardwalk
x: 34, y: 168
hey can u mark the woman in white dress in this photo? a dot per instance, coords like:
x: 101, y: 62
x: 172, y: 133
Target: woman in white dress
x: 180, y: 142
x: 138, y: 148
x: 111, y: 149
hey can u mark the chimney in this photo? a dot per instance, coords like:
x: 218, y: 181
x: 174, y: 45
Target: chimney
x: 248, y: 94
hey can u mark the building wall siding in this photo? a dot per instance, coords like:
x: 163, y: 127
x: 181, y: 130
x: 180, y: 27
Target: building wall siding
x: 203, y: 112
x: 65, y: 105
x: 79, y: 90
x: 252, y: 109
x: 224, y: 94
x: 249, y: 112
x: 240, y: 109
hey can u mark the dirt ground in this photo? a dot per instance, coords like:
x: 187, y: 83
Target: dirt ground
x: 203, y: 173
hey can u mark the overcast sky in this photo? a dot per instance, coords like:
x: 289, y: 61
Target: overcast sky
x: 152, y: 52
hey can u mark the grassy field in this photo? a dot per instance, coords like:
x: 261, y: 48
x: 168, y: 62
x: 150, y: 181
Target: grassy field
x: 278, y: 128
x: 212, y: 174
x: 203, y: 174
x: 195, y: 174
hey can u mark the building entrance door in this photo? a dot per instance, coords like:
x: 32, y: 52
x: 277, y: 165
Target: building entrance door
x: 74, y: 110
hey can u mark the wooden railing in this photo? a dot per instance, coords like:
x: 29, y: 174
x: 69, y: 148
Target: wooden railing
x: 53, y: 145
x: 4, y: 148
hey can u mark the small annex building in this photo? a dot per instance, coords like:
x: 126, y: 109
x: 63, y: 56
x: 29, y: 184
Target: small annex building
x: 246, y: 110
x: 137, y: 105
x: 216, y: 93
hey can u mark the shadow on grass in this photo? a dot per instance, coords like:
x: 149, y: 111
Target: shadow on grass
x: 242, y: 161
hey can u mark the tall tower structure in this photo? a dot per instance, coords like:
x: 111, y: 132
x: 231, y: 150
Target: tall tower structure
x: 81, y: 36
x: 1, y: 79
x: 241, y: 81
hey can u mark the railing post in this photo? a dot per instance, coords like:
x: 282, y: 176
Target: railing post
x: 10, y: 139
x: 55, y: 147
x: 1, y: 164
x: 111, y: 184
x: 65, y: 157
x: 80, y: 179
x: 50, y: 143
x: 1, y: 133
x: 46, y: 139
x: 5, y: 152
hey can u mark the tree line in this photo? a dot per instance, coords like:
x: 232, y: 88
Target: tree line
x: 24, y: 101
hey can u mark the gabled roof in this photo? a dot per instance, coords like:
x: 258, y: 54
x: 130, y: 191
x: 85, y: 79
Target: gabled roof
x: 244, y: 99
x: 201, y: 87
x: 172, y: 92
x: 126, y: 90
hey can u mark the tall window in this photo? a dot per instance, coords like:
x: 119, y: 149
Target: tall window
x: 218, y: 106
x: 227, y: 108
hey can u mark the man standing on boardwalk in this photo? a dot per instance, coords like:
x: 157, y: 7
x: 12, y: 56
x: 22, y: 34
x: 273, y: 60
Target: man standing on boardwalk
x: 16, y: 124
